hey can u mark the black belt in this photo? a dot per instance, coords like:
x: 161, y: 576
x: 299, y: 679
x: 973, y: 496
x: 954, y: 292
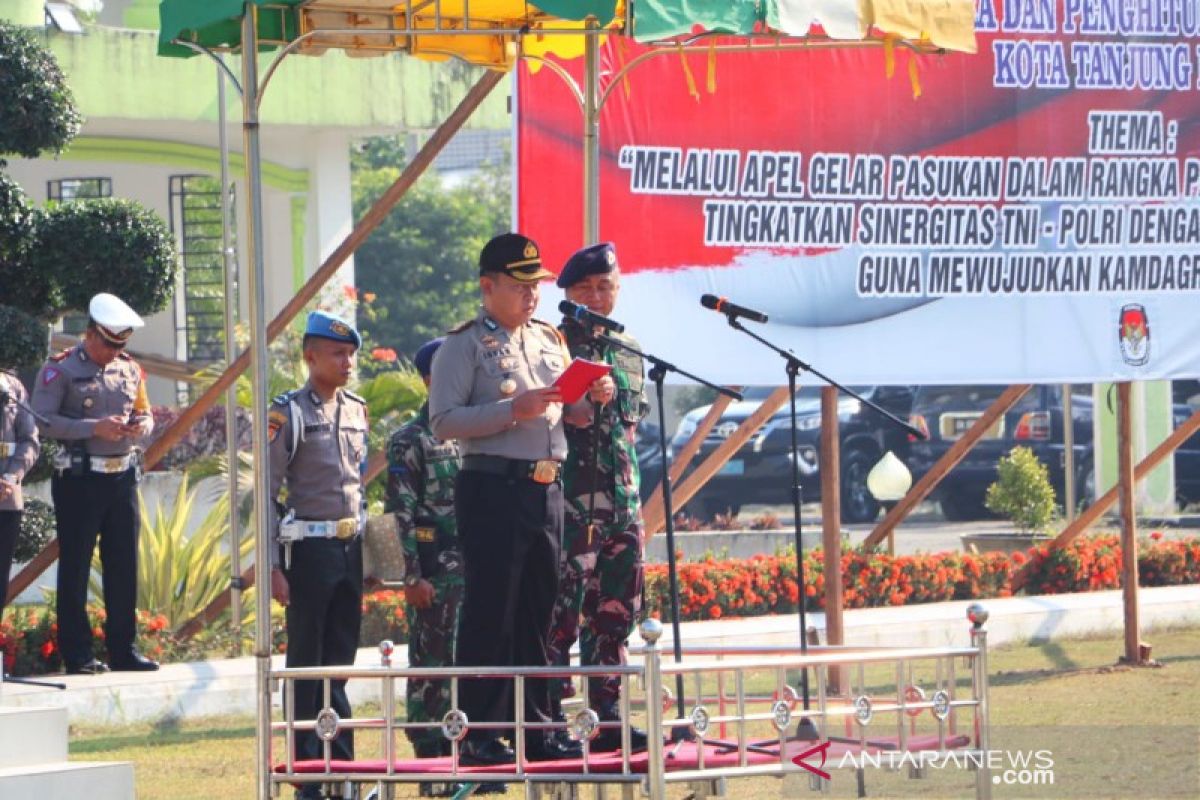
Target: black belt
x: 544, y: 471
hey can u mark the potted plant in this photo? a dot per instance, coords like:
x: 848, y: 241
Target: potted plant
x: 1023, y: 494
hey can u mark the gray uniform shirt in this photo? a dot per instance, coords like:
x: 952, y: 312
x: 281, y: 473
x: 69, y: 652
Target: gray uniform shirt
x: 324, y: 475
x: 18, y: 437
x: 74, y: 393
x: 467, y: 400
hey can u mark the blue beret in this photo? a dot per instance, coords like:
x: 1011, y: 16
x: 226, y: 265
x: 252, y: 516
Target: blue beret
x: 326, y: 326
x: 423, y: 360
x: 597, y: 259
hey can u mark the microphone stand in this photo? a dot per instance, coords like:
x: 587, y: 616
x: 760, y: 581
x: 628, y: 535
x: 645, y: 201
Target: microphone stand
x: 806, y: 730
x: 657, y: 374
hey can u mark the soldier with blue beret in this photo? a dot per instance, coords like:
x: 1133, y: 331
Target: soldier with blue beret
x: 318, y: 448
x: 600, y: 589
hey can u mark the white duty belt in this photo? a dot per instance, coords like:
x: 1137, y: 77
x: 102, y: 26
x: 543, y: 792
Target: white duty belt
x: 109, y: 465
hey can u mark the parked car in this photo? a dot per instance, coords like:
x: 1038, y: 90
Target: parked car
x: 761, y: 471
x: 649, y: 455
x: 1036, y: 421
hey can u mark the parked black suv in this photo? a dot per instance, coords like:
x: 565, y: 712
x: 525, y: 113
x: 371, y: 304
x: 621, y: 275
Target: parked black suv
x: 761, y: 472
x: 1036, y: 421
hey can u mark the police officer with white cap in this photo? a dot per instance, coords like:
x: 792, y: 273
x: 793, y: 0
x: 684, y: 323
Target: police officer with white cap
x: 318, y: 448
x: 93, y: 396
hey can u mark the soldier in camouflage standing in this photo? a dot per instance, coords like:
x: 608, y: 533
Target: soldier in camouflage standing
x: 600, y: 593
x: 420, y: 492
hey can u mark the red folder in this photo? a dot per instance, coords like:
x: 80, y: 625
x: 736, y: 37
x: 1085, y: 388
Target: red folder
x: 580, y: 375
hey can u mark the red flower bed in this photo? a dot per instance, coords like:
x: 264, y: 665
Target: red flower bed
x: 719, y: 588
x: 715, y: 588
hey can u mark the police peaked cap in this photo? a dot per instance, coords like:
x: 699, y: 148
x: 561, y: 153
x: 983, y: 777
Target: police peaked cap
x: 324, y: 325
x: 113, y: 317
x: 514, y: 255
x: 596, y: 259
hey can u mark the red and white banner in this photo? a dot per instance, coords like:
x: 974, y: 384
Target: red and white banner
x: 1032, y: 216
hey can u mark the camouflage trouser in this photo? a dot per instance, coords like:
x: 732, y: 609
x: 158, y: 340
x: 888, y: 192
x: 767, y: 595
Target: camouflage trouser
x: 432, y: 635
x: 599, y: 594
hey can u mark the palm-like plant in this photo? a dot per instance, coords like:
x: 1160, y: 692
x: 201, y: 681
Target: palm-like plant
x: 180, y: 573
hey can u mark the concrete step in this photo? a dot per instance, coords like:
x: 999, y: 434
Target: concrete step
x: 33, y: 735
x: 95, y: 780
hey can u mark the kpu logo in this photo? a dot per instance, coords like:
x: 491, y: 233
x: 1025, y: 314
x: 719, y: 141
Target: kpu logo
x: 1133, y: 332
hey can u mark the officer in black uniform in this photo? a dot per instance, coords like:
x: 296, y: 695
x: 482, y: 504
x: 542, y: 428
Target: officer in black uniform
x: 493, y: 391
x: 318, y: 448
x: 19, y: 448
x: 93, y: 397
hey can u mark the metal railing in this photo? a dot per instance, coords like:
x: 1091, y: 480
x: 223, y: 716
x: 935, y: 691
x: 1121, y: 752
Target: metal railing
x: 742, y: 709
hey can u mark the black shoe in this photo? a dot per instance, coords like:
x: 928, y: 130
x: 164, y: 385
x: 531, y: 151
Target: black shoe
x: 309, y: 791
x: 491, y: 788
x: 486, y: 753
x: 552, y: 748
x: 428, y: 750
x: 134, y: 662
x: 610, y: 739
x: 93, y: 667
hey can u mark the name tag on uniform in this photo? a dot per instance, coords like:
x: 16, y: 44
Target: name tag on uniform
x: 325, y: 426
x: 425, y: 534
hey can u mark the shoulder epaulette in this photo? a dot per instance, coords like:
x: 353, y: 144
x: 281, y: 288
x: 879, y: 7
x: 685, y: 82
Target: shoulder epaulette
x: 61, y: 355
x: 354, y: 396
x: 557, y: 333
x: 461, y: 327
x: 284, y: 398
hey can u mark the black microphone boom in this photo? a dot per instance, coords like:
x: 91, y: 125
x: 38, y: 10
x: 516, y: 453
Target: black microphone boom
x: 586, y: 316
x: 731, y: 309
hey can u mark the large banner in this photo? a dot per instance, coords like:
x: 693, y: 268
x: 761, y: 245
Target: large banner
x: 1031, y: 216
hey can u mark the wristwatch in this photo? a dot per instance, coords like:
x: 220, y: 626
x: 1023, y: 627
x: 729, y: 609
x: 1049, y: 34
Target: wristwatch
x: 411, y: 580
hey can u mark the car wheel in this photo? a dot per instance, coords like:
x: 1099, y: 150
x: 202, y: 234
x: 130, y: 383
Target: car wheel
x: 963, y: 506
x: 858, y: 504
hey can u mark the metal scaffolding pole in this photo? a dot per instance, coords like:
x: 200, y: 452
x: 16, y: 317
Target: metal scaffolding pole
x: 258, y: 379
x: 591, y: 135
x: 229, y: 264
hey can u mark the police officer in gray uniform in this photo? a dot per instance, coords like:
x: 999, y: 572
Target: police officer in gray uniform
x: 492, y: 391
x: 93, y: 397
x: 318, y: 448
x: 19, y: 448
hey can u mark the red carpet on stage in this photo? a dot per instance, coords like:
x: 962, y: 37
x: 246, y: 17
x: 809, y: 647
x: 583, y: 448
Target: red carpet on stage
x: 686, y: 757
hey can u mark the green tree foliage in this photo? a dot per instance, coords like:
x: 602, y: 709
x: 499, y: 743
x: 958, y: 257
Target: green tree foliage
x: 423, y: 262
x: 37, y: 111
x: 1022, y: 492
x: 54, y: 260
x: 106, y: 245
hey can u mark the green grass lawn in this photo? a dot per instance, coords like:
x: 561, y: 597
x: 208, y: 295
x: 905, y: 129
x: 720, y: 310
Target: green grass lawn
x: 1111, y: 732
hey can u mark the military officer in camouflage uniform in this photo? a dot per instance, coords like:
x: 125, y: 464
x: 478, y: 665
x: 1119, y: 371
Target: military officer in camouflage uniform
x: 599, y: 596
x: 420, y: 492
x: 93, y: 397
x: 318, y: 448
x: 493, y: 390
x: 19, y: 448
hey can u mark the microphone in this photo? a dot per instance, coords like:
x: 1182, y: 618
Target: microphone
x: 731, y: 310
x: 586, y: 316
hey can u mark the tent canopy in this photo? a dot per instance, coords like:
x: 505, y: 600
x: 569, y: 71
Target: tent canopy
x: 330, y: 24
